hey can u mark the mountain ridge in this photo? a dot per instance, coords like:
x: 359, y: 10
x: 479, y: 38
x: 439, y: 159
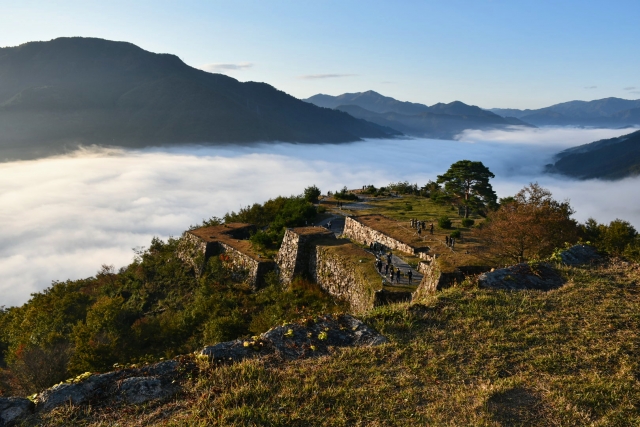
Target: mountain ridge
x: 441, y: 121
x: 71, y: 91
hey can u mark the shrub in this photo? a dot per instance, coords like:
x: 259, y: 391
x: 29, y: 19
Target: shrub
x: 467, y: 222
x: 408, y: 207
x: 444, y: 222
x: 455, y: 234
x: 344, y: 194
x: 322, y: 209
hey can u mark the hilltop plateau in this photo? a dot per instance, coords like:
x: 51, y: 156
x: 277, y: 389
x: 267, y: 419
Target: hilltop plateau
x: 186, y: 336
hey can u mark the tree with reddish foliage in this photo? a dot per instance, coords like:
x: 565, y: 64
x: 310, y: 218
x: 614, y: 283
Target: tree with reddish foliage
x: 528, y: 226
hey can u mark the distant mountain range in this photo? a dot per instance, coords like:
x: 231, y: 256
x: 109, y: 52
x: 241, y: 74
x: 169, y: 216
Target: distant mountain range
x: 613, y: 158
x: 436, y: 121
x: 71, y: 91
x: 607, y: 112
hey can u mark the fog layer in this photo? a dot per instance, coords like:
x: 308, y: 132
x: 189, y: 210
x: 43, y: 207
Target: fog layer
x: 62, y: 218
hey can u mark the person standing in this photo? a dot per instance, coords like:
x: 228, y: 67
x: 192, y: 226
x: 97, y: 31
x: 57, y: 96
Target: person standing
x: 386, y: 269
x: 409, y: 275
x: 431, y: 228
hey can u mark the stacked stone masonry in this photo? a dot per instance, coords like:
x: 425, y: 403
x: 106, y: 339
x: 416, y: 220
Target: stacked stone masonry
x: 229, y: 240
x: 365, y: 235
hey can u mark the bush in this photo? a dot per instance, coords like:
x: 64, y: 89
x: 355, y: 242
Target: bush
x: 455, y: 234
x: 344, y: 194
x: 322, y: 209
x: 444, y: 222
x: 467, y: 222
x: 408, y: 207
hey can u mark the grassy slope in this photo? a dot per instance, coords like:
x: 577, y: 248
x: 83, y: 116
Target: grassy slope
x: 463, y: 357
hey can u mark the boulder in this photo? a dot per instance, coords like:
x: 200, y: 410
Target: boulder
x: 579, y: 254
x: 136, y: 390
x: 294, y: 341
x: 522, y: 276
x: 14, y: 408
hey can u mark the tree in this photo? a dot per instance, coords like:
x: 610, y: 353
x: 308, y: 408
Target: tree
x: 311, y: 194
x: 468, y: 183
x: 530, y: 226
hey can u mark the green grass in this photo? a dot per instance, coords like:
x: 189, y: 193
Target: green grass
x: 462, y: 357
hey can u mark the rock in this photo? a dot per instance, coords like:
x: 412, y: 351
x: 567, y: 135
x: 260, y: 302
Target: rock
x: 136, y: 390
x: 522, y: 276
x: 579, y: 254
x: 14, y: 408
x: 75, y: 393
x: 296, y: 341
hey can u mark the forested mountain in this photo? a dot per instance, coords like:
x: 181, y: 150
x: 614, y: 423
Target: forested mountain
x: 437, y: 121
x: 613, y: 158
x: 612, y: 112
x: 72, y: 91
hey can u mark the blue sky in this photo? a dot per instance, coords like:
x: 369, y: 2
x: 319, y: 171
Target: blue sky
x: 517, y: 53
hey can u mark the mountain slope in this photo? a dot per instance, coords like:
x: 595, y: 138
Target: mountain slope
x: 614, y: 112
x: 84, y: 90
x: 613, y: 158
x: 441, y: 120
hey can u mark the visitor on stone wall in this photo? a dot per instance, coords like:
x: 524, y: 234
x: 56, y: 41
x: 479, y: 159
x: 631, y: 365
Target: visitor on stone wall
x: 398, y: 274
x: 386, y: 269
x: 431, y: 228
x: 453, y: 242
x: 446, y: 240
x: 392, y: 272
x: 409, y: 275
x: 389, y: 258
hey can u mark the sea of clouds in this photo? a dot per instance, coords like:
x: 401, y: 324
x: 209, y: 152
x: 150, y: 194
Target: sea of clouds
x: 64, y: 217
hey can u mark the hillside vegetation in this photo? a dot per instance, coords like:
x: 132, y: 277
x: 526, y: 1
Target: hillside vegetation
x: 465, y: 356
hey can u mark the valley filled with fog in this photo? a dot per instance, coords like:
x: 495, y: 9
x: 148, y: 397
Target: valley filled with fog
x: 63, y: 217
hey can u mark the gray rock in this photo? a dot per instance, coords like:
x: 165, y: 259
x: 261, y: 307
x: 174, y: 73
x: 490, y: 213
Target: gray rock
x: 579, y: 254
x: 522, y: 276
x: 136, y: 390
x: 14, y: 408
x: 295, y: 341
x: 75, y: 393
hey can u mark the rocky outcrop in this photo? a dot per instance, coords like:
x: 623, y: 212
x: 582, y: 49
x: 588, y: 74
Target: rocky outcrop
x: 522, y: 276
x: 579, y: 254
x: 134, y: 386
x: 13, y: 409
x: 128, y: 385
x: 296, y: 341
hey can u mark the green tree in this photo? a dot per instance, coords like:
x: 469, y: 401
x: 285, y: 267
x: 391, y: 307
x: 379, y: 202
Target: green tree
x: 311, y: 194
x: 467, y: 182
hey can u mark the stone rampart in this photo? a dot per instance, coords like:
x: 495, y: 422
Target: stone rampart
x: 345, y: 277
x: 229, y: 242
x: 363, y: 234
x: 434, y: 279
x: 295, y: 252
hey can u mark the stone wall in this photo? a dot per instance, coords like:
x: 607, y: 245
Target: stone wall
x: 196, y: 252
x: 294, y: 256
x: 344, y: 278
x: 435, y: 279
x: 364, y: 235
x: 244, y: 267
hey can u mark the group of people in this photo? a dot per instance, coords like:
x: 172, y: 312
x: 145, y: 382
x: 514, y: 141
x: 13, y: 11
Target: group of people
x: 450, y: 242
x: 421, y: 225
x: 391, y: 271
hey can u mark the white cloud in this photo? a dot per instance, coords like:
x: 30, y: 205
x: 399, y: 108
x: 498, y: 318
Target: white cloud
x: 222, y: 68
x: 64, y: 217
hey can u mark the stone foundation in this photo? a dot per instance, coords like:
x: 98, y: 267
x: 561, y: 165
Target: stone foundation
x: 363, y: 234
x: 229, y: 242
x: 435, y: 279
